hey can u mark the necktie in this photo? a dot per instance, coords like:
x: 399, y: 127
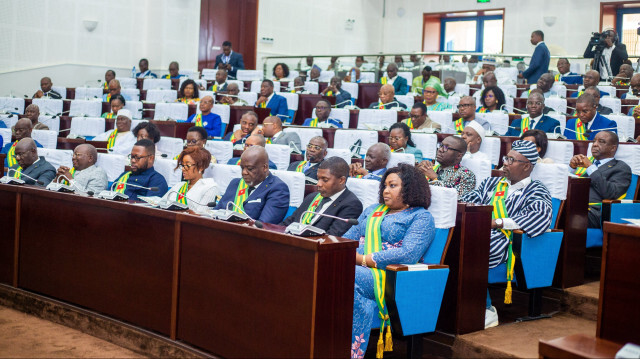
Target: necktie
x: 324, y: 201
x: 306, y: 167
x: 249, y: 190
x: 597, y: 163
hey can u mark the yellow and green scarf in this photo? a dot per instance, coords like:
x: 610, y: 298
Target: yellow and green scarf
x: 72, y: 171
x: 181, y: 197
x: 18, y: 173
x: 122, y: 186
x: 306, y: 219
x: 314, y: 122
x: 111, y: 141
x: 580, y: 171
x: 241, y: 194
x: 300, y: 166
x: 410, y: 123
x: 500, y: 211
x: 459, y: 125
x: 11, y: 155
x: 198, y: 120
x: 524, y: 124
x: 580, y: 130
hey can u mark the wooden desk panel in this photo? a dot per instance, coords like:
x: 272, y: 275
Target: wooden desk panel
x: 306, y: 104
x: 577, y: 346
x: 7, y: 239
x: 367, y: 93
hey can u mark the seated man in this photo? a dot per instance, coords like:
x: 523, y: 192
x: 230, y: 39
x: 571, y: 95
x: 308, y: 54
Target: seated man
x: 114, y: 89
x: 46, y: 91
x: 387, y: 99
x: 220, y: 84
x: 589, y: 121
x: 144, y: 70
x: 634, y: 88
x: 108, y: 76
x: 229, y: 60
x: 610, y: 178
x: 314, y: 74
x: 332, y: 198
x: 32, y: 112
x: 426, y: 79
x: 116, y: 102
x: 473, y: 134
x: 248, y: 123
x: 624, y: 76
x: 253, y: 140
x: 447, y: 171
x: 534, y: 119
x: 335, y: 89
x: 418, y: 119
x: 375, y: 163
x: 398, y: 82
x: 298, y: 86
x: 591, y: 78
x: 323, y: 110
x: 272, y: 131
x: 467, y: 112
x: 120, y: 140
x: 449, y: 85
x: 269, y: 99
x: 545, y: 84
x: 488, y: 65
x: 565, y: 75
x: 259, y: 194
x: 315, y: 154
x: 207, y: 119
x: 174, y: 71
x: 33, y: 167
x: 21, y: 130
x: 231, y: 96
x: 593, y: 91
x: 142, y: 174
x: 84, y: 175
x: 526, y: 206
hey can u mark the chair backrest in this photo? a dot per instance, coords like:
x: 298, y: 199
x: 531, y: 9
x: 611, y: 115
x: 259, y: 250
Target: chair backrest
x: 171, y: 146
x: 444, y: 118
x: 559, y: 151
x: 507, y: 74
x: 443, y: 208
x: 408, y: 100
x: 221, y: 150
x: 557, y: 103
x: 12, y: 104
x: 367, y: 77
x: 223, y: 174
x: 279, y: 154
x: 249, y: 75
x: 133, y: 94
x: 136, y: 109
x: 373, y: 119
x: 352, y: 88
x: 57, y: 158
x: 255, y: 86
x: 292, y: 100
x: 173, y: 111
x: 312, y: 87
x: 87, y: 108
x: 224, y: 111
x: 365, y: 189
x: 325, y: 76
x: 52, y: 122
x: 305, y: 134
x: 237, y: 82
x: 156, y: 95
x: 427, y: 143
x: 135, y: 123
x: 407, y: 75
x: 127, y: 82
x: 47, y: 138
x: 555, y: 177
x: 340, y: 114
x: 249, y: 97
x: 166, y: 167
x: 397, y: 158
x: 613, y: 103
x: 626, y: 126
x: 499, y: 121
x: 295, y: 182
x: 480, y: 167
x: 199, y: 82
x: 462, y: 89
x: 349, y: 138
x: 561, y: 118
x: 48, y: 106
x: 343, y: 153
x: 491, y: 147
x: 560, y: 89
x: 87, y: 126
x: 608, y: 89
x: 112, y: 164
x: 5, y: 133
x: 156, y: 84
x: 509, y: 90
x: 61, y: 90
x: 88, y: 93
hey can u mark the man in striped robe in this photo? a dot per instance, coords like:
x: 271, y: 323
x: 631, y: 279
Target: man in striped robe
x: 527, y: 206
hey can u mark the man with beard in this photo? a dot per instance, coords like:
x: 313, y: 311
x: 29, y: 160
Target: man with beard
x: 142, y: 173
x: 447, y: 171
x: 315, y: 154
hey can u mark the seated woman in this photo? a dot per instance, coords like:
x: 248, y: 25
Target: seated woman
x: 400, y: 140
x: 540, y: 139
x: 189, y: 93
x: 492, y: 99
x: 402, y: 228
x: 194, y: 191
x: 148, y: 131
x: 429, y: 95
x: 117, y: 102
x: 280, y: 71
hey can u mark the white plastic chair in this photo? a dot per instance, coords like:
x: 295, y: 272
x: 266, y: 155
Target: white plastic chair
x: 47, y: 138
x: 499, y: 121
x: 56, y: 157
x: 373, y: 119
x: 221, y: 150
x: 136, y: 109
x: 295, y: 181
x: 561, y: 118
x: 85, y: 108
x: 173, y: 111
x: 312, y: 87
x: 554, y: 176
x: 427, y: 143
x: 112, y: 164
x: 305, y: 134
x: 292, y: 100
x: 491, y: 147
x: 156, y: 84
x: 343, y: 153
x: 613, y: 103
x: 61, y: 90
x: 626, y: 126
x: 237, y: 82
x: 352, y: 88
x: 560, y: 89
x: 611, y: 90
x: 199, y: 82
x: 249, y: 75
x: 5, y: 133
x: 133, y: 94
x: 51, y: 122
x: 347, y: 139
x: 9, y: 121
x: 340, y: 114
x: 557, y: 103
x: 171, y: 146
x: 249, y: 97
x: 88, y: 93
x: 367, y: 190
x: 223, y: 174
x: 48, y: 106
x: 279, y: 154
x: 209, y: 74
x: 407, y: 75
x: 128, y: 82
x: 480, y: 167
x: 559, y: 151
x: 408, y: 100
x: 191, y: 74
x: 367, y: 77
x: 397, y: 158
x: 509, y: 90
x: 11, y: 105
x: 462, y: 89
x: 444, y: 118
x: 87, y: 126
x: 155, y: 96
x: 506, y: 74
x: 166, y: 167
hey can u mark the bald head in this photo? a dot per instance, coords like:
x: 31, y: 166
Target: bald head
x: 26, y: 152
x: 377, y: 157
x: 591, y: 78
x: 255, y: 165
x: 32, y: 112
x: 22, y: 128
x: 387, y: 93
x: 545, y: 82
x: 255, y: 140
x: 626, y: 71
x: 594, y: 92
x: 271, y: 126
x: 635, y: 85
x: 489, y: 79
x: 84, y: 156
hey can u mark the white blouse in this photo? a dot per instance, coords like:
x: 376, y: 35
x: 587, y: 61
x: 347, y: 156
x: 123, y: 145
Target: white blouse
x: 203, y: 192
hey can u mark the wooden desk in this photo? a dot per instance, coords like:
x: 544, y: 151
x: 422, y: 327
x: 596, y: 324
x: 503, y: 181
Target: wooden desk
x: 204, y: 282
x: 577, y: 346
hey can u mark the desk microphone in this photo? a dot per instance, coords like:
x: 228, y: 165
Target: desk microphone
x: 397, y: 108
x: 295, y: 148
x: 172, y: 205
x: 3, y: 111
x: 232, y: 216
x: 112, y: 195
x: 25, y: 175
x: 352, y: 221
x: 152, y: 189
x: 512, y: 108
x: 571, y: 108
x: 307, y: 230
x: 56, y: 186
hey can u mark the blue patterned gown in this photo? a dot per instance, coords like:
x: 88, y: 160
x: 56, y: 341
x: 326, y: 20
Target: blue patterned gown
x: 406, y: 236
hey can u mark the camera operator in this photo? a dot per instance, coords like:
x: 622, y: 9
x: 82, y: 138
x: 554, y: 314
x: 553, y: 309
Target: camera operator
x: 608, y: 53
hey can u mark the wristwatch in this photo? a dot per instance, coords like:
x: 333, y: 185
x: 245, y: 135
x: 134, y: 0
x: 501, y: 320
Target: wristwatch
x: 499, y: 222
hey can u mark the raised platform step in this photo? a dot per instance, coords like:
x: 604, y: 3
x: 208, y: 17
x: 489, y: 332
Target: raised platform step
x: 582, y: 300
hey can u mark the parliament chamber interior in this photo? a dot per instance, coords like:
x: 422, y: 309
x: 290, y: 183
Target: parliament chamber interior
x: 258, y: 179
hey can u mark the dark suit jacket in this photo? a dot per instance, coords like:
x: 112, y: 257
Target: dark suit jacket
x: 539, y: 63
x: 546, y: 124
x: 342, y: 97
x: 345, y: 206
x: 42, y: 171
x: 269, y: 203
x: 278, y: 106
x: 400, y: 85
x: 392, y: 105
x: 236, y: 61
x: 618, y: 55
x: 311, y: 172
x: 609, y: 181
x: 599, y: 123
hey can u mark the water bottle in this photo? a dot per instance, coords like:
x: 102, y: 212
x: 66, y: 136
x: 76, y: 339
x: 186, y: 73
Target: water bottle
x: 133, y: 72
x: 353, y: 76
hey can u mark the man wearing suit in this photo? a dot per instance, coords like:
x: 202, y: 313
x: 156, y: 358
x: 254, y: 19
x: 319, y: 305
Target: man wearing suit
x: 22, y: 129
x: 323, y: 110
x: 229, y: 60
x: 29, y: 164
x: 332, y: 198
x: 269, y: 99
x: 253, y: 140
x: 220, y: 84
x: 259, y: 194
x: 375, y: 163
x: 398, y: 82
x: 387, y: 99
x: 613, y: 54
x: 589, y: 121
x: 272, y: 130
x: 539, y: 63
x: 610, y: 178
x: 565, y: 75
x: 591, y: 79
x: 315, y: 154
x: 335, y: 89
x: 536, y: 119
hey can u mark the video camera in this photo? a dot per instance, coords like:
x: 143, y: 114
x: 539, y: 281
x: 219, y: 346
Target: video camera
x: 597, y: 41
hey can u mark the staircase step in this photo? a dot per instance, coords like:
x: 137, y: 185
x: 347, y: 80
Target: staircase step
x: 580, y: 301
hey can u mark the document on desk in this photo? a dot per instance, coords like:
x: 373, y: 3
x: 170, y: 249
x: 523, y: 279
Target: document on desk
x: 634, y: 221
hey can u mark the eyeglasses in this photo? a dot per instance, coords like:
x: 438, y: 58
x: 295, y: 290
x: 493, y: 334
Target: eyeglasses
x: 267, y: 123
x: 313, y: 147
x: 137, y: 158
x: 187, y: 166
x: 429, y: 91
x: 446, y: 148
x: 191, y: 142
x: 510, y: 160
x: 463, y: 105
x: 537, y: 103
x: 396, y: 138
x: 417, y: 116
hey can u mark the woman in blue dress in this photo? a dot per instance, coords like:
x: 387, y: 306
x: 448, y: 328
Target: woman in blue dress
x: 403, y: 230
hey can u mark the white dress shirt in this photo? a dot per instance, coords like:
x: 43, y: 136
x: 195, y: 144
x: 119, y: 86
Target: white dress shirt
x: 203, y: 192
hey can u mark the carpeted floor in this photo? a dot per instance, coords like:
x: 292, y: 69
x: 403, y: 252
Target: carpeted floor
x: 25, y: 336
